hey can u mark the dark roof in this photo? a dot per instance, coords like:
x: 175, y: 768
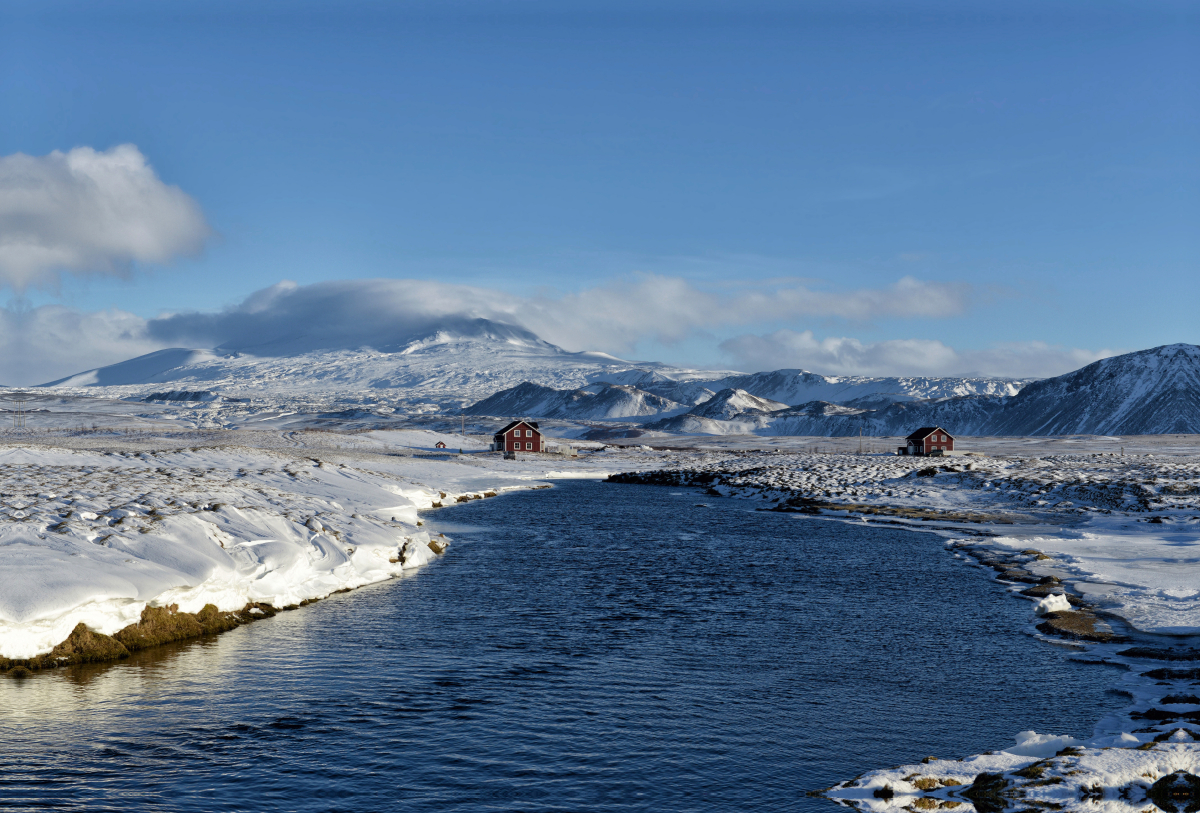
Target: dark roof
x: 926, y: 431
x: 518, y: 423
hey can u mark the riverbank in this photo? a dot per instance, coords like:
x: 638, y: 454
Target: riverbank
x: 111, y: 543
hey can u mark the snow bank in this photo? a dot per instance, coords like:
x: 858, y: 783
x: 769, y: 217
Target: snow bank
x: 94, y: 537
x: 1052, y: 604
x: 1033, y: 744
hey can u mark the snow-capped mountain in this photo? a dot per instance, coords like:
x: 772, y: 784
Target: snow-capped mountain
x: 1149, y: 392
x: 682, y: 386
x: 458, y: 366
x: 595, y: 402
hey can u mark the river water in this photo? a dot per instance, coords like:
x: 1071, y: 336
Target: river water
x: 594, y: 647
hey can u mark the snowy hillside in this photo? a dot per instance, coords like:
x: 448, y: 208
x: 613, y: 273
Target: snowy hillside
x: 1150, y: 392
x: 682, y: 386
x: 448, y: 366
x: 595, y: 402
x: 729, y: 402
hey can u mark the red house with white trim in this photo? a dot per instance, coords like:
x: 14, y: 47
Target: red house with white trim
x: 520, y: 436
x: 927, y: 440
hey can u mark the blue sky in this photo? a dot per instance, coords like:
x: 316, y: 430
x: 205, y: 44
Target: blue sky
x: 1040, y: 156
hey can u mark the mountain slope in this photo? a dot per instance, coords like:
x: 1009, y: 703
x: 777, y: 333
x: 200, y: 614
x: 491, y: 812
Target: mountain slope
x: 1150, y: 392
x: 150, y: 368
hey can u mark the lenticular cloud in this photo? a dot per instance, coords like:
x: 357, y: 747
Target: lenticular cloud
x: 89, y: 212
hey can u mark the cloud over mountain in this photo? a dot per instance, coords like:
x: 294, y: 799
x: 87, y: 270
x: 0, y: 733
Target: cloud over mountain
x: 89, y: 212
x: 612, y: 317
x: 385, y: 314
x: 849, y: 356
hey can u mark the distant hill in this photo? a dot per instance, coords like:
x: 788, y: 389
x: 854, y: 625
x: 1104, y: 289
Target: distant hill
x: 797, y: 387
x: 762, y: 410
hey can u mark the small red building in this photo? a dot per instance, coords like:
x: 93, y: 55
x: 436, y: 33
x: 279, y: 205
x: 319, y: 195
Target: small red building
x: 927, y: 440
x: 441, y: 444
x: 520, y: 436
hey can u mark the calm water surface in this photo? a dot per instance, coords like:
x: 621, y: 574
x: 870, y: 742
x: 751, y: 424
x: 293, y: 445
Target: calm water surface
x: 591, y: 648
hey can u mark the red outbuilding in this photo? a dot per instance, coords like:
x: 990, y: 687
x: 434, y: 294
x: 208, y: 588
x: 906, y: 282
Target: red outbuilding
x: 520, y: 436
x: 927, y: 440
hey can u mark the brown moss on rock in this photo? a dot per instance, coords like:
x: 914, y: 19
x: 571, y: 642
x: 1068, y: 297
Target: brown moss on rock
x: 986, y: 792
x: 86, y: 646
x: 213, y: 621
x: 159, y: 625
x: 1077, y: 625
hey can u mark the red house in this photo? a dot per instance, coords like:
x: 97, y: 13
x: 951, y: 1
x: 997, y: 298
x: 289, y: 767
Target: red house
x: 927, y: 440
x: 520, y: 436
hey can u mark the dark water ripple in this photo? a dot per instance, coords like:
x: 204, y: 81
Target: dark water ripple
x: 591, y: 648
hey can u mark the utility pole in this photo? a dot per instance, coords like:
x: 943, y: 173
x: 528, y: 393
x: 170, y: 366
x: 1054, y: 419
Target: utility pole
x: 19, y: 416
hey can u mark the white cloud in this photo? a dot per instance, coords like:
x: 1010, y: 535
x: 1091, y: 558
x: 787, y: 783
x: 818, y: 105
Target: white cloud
x: 848, y: 356
x: 612, y: 318
x: 50, y: 342
x: 615, y: 317
x: 89, y: 212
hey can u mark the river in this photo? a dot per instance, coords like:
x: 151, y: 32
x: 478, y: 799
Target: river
x: 593, y: 647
